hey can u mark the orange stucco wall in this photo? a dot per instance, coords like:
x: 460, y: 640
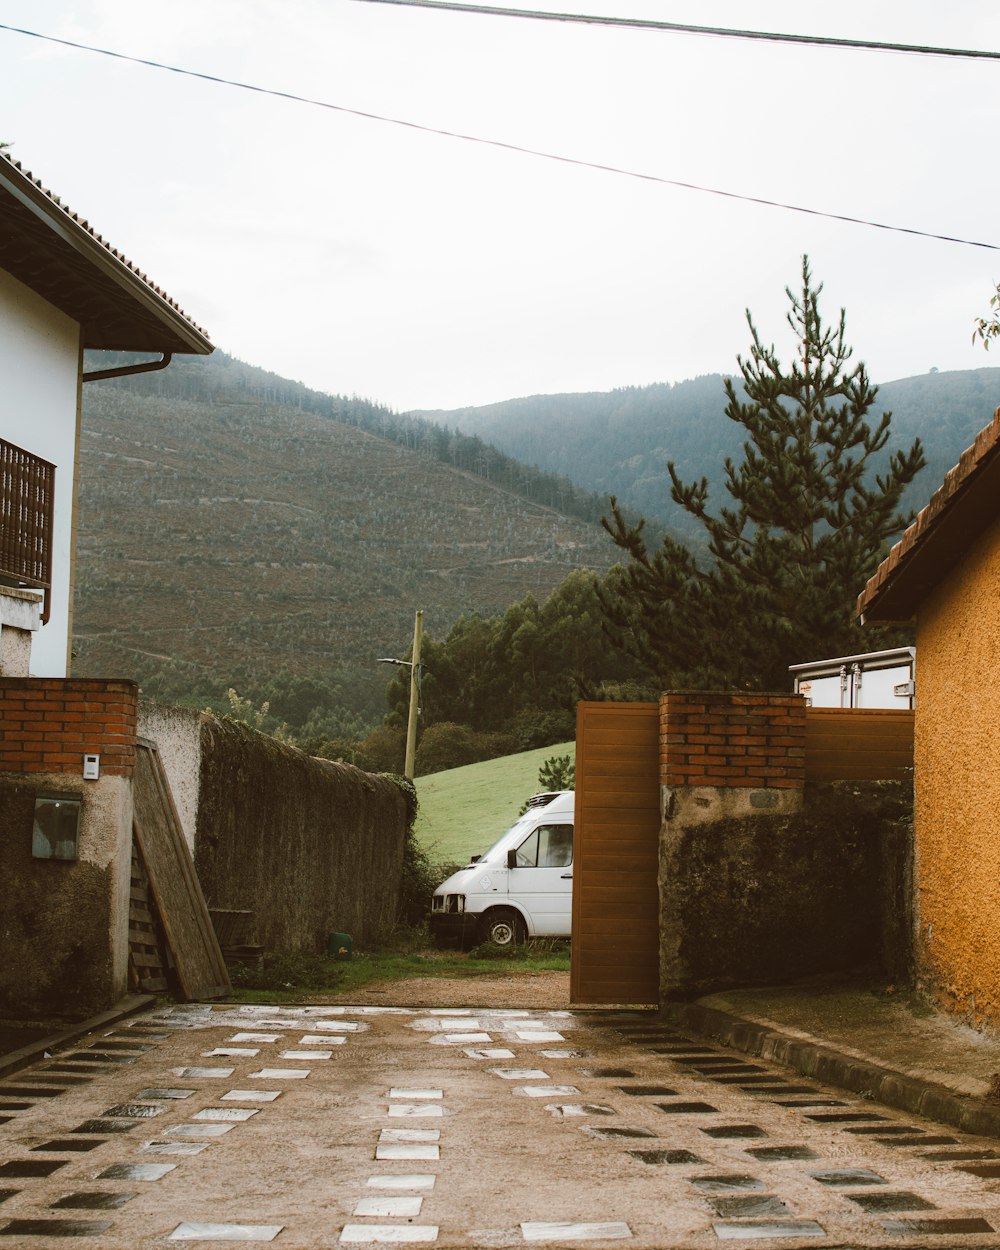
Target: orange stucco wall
x: 957, y: 776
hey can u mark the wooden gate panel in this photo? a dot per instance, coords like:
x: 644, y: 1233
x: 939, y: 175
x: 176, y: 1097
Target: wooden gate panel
x: 859, y: 744
x: 616, y: 906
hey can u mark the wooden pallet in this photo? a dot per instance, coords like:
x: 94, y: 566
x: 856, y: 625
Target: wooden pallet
x: 176, y: 891
x: 148, y: 961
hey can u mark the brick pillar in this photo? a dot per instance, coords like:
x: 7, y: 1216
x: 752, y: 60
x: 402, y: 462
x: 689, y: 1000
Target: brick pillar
x: 726, y: 753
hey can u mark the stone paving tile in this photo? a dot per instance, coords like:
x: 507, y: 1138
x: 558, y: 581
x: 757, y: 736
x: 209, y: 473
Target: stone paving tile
x: 742, y: 1206
x: 781, y: 1153
x: 24, y: 1168
x: 191, y: 1231
x: 887, y: 1200
x: 937, y: 1228
x: 753, y: 1231
x: 8, y: 1193
x: 738, y: 1182
x: 388, y: 1233
x: 92, y: 1201
x: 74, y: 1144
x: 665, y: 1156
x: 55, y: 1228
x: 734, y: 1131
x: 848, y: 1176
x: 565, y: 1230
x: 136, y: 1171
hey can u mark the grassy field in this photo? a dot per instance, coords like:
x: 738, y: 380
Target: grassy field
x: 465, y: 809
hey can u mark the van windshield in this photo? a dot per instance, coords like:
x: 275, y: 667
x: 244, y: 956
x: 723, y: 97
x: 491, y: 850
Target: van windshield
x: 523, y: 822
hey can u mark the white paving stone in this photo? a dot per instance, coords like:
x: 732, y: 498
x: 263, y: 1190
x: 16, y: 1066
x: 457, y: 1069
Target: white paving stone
x: 411, y: 1180
x: 202, y: 1072
x: 539, y: 1035
x: 418, y: 1095
x: 405, y: 1150
x: 191, y: 1231
x: 251, y: 1095
x: 490, y: 1052
x: 198, y: 1130
x: 521, y: 1074
x: 368, y: 1233
x: 546, y: 1091
x: 280, y: 1074
x: 460, y: 1039
x: 565, y: 1230
x: 336, y: 1026
x: 255, y: 1037
x: 226, y: 1113
x: 754, y: 1230
x: 414, y: 1110
x: 402, y: 1207
x: 234, y: 1052
x: 410, y: 1134
x: 173, y: 1148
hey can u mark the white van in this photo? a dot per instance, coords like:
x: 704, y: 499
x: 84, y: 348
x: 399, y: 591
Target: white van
x: 521, y: 887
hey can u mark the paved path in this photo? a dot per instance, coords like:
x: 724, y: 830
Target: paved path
x: 330, y: 1126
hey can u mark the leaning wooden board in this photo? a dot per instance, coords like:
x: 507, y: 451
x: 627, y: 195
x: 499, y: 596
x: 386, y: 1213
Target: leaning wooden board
x: 201, y: 970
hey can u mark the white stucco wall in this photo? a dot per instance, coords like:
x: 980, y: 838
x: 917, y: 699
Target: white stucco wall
x: 39, y: 368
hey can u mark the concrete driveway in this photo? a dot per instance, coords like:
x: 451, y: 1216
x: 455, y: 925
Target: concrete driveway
x: 340, y: 1125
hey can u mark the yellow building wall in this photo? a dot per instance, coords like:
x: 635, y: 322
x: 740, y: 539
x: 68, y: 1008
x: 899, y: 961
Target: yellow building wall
x: 957, y: 782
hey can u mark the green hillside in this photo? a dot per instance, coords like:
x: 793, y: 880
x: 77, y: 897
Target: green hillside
x: 465, y: 809
x: 619, y: 442
x: 233, y: 539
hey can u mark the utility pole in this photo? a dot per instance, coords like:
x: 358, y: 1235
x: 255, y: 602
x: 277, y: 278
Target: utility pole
x: 411, y: 724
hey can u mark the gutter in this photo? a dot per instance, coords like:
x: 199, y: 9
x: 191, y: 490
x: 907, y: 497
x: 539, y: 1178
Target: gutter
x: 125, y: 371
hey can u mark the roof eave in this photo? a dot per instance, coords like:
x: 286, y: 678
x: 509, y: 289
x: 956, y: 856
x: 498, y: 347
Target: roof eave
x: 186, y: 336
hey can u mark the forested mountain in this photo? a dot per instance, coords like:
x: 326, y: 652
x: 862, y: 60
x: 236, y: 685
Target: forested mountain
x: 233, y: 533
x: 619, y: 442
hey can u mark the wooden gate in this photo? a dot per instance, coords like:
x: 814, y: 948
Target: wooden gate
x: 616, y: 908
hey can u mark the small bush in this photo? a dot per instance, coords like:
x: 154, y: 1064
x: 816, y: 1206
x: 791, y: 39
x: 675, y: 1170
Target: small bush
x: 288, y: 970
x: 490, y: 950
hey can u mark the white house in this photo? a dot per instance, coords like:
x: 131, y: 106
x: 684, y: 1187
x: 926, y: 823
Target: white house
x: 62, y: 289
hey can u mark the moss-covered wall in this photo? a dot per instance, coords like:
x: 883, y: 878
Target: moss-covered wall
x: 311, y: 847
x: 762, y: 899
x: 64, y: 923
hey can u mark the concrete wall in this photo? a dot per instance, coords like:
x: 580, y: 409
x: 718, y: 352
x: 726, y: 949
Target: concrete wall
x: 176, y: 731
x: 64, y: 923
x: 311, y: 847
x: 957, y: 780
x: 39, y: 401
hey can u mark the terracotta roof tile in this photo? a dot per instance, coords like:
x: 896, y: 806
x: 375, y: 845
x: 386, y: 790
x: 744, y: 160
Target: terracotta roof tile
x: 958, y: 511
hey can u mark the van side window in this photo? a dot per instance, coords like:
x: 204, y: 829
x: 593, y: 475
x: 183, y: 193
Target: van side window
x: 548, y: 846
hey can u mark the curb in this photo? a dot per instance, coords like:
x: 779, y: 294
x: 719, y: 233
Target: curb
x: 14, y: 1060
x: 825, y: 1063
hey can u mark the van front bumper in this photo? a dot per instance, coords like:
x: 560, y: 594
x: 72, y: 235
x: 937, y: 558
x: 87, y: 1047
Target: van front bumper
x: 453, y: 928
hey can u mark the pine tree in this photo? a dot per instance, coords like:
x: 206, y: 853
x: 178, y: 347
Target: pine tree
x: 808, y: 521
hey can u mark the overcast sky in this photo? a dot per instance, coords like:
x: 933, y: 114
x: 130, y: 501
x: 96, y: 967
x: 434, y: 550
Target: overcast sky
x: 427, y: 272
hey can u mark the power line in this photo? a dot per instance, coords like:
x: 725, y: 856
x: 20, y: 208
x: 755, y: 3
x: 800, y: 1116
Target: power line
x: 504, y: 146
x: 639, y: 23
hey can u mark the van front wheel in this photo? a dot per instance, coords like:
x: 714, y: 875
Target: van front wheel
x: 503, y: 926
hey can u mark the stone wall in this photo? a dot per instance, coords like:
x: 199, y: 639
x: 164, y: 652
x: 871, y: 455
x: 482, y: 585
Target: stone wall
x: 309, y: 846
x: 758, y: 899
x: 763, y: 879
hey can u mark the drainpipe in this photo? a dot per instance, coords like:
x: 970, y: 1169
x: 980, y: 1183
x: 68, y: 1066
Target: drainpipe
x: 124, y: 371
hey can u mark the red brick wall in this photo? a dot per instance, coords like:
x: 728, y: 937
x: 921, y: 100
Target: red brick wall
x: 730, y: 739
x: 47, y: 725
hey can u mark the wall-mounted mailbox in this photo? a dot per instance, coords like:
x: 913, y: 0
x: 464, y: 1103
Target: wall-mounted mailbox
x: 56, y: 830
x: 91, y: 767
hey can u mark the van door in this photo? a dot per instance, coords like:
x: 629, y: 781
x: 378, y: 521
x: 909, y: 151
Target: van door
x: 542, y: 878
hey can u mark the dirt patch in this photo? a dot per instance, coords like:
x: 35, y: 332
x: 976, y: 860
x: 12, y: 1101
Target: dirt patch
x: 548, y: 990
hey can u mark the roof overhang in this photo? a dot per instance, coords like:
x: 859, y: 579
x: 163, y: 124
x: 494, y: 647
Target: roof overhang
x: 58, y: 256
x: 965, y: 505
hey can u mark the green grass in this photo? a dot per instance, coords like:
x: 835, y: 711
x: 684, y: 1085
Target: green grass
x: 315, y: 977
x: 462, y: 811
